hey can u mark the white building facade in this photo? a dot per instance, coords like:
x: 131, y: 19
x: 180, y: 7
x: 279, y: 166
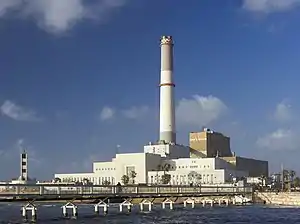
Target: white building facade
x: 153, y: 163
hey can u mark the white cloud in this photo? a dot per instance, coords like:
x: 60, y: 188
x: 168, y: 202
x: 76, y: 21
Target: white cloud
x: 200, y: 110
x: 281, y: 139
x: 18, y: 113
x: 267, y: 6
x: 57, y: 16
x: 135, y: 112
x: 283, y: 112
x: 107, y: 113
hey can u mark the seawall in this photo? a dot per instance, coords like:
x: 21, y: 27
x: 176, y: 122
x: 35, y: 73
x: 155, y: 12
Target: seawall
x: 280, y: 198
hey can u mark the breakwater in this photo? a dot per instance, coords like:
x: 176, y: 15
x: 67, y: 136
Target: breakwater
x: 279, y: 198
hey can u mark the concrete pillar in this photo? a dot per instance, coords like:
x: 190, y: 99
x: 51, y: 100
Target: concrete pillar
x: 17, y: 189
x: 65, y: 212
x: 33, y: 214
x: 75, y: 212
x: 141, y: 206
x: 24, y: 213
x: 96, y: 210
x: 41, y: 190
x: 105, y: 209
x: 129, y: 208
x: 171, y: 205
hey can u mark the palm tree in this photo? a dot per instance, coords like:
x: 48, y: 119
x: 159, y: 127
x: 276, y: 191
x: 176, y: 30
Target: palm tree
x: 106, y: 183
x: 297, y: 182
x: 165, y: 179
x: 292, y: 175
x: 157, y: 176
x: 125, y: 179
x: 133, y: 176
x: 192, y: 176
x: 57, y: 180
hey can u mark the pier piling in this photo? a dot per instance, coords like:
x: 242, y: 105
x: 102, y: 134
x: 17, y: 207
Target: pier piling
x: 29, y: 207
x: 189, y: 201
x: 167, y: 201
x: 71, y: 206
x: 103, y: 205
x: 146, y: 202
x: 126, y: 203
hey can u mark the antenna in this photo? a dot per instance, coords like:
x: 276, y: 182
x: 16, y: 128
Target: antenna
x: 117, y: 149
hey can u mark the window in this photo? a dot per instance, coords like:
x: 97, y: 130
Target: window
x: 23, y: 170
x: 23, y: 163
x: 23, y: 156
x: 129, y: 169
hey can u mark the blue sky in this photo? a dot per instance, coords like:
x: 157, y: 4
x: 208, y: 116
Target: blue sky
x: 78, y: 78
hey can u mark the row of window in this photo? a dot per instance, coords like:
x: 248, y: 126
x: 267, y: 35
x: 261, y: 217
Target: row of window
x: 99, y: 169
x: 95, y: 180
x: 185, y: 179
x: 172, y: 167
x: 193, y: 167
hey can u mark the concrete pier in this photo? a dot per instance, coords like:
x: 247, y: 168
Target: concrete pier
x: 103, y: 205
x: 72, y: 207
x: 189, y: 201
x: 29, y: 208
x: 130, y: 203
x: 169, y: 202
x: 127, y: 204
x: 146, y: 202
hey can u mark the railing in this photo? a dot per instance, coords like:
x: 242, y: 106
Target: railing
x: 99, y: 190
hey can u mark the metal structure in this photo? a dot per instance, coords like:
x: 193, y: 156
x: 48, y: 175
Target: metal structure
x: 79, y: 191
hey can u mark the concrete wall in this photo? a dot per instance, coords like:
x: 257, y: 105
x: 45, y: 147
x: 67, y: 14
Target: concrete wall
x: 281, y: 198
x: 171, y: 151
x: 107, y: 167
x: 131, y: 161
x: 179, y: 151
x: 210, y: 143
x: 79, y: 177
x: 205, y: 170
x: 255, y: 167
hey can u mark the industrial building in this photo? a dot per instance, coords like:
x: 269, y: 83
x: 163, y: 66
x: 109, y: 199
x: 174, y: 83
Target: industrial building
x: 205, y: 161
x: 208, y: 143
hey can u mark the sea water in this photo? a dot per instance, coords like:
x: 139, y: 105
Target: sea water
x: 52, y: 213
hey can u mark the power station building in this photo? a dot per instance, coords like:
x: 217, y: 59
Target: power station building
x: 208, y: 143
x: 208, y: 159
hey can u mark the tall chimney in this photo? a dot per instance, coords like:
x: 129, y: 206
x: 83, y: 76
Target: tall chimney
x: 167, y: 107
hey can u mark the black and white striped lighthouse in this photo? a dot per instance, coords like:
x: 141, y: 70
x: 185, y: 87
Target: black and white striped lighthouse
x: 24, y: 166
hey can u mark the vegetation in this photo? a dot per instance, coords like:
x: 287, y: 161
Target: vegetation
x: 297, y: 182
x: 125, y: 179
x: 165, y: 179
x: 106, y: 183
x: 57, y: 180
x: 192, y: 177
x: 133, y: 176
